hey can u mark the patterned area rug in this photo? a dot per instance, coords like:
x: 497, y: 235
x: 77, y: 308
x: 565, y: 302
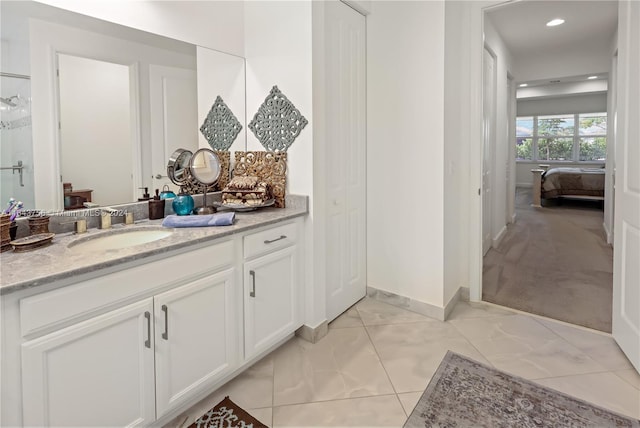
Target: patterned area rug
x: 227, y: 414
x: 464, y: 393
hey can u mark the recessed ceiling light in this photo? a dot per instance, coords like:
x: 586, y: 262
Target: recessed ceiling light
x: 592, y: 77
x: 555, y: 22
x: 523, y: 85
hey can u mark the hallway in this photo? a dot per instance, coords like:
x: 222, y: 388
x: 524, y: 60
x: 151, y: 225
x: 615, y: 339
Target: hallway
x: 555, y: 262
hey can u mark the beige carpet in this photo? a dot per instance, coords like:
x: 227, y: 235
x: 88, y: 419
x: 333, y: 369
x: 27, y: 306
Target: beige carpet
x: 554, y: 261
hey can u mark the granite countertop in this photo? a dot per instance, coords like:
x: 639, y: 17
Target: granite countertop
x: 57, y: 261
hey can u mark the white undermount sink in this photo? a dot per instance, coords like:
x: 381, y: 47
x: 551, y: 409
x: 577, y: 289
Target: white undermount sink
x: 115, y: 240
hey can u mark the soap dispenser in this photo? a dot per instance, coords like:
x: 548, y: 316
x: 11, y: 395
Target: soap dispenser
x: 145, y: 195
x: 156, y: 207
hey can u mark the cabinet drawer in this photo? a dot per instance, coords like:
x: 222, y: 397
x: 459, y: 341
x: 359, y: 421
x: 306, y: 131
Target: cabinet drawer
x: 79, y: 300
x: 271, y: 239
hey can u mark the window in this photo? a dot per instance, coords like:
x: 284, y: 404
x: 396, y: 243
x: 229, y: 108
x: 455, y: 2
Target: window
x: 565, y: 137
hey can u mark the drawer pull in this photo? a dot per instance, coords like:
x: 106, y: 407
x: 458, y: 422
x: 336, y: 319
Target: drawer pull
x: 165, y: 335
x: 147, y: 342
x: 252, y: 293
x: 274, y: 240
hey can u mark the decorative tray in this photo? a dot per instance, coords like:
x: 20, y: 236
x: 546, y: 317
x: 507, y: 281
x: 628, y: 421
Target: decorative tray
x: 242, y: 207
x: 32, y: 242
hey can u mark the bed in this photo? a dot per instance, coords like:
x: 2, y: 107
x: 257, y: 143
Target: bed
x: 565, y: 182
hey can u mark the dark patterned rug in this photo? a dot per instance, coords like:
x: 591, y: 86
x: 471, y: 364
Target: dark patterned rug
x: 227, y: 414
x: 465, y: 393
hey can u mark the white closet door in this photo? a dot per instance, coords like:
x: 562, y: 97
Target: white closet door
x: 345, y: 157
x: 626, y: 250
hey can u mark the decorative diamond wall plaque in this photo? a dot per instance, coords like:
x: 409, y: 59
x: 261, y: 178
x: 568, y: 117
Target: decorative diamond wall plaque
x: 278, y: 122
x: 221, y: 127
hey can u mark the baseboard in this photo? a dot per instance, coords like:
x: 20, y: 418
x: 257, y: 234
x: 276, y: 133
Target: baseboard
x: 409, y: 304
x: 313, y: 334
x: 526, y: 185
x: 452, y: 303
x: 608, y: 233
x: 498, y: 239
x: 465, y: 294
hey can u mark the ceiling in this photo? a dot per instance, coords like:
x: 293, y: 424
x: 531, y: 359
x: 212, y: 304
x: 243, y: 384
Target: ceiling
x: 522, y: 24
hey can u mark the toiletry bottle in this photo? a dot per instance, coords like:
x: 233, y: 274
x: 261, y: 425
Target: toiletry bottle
x: 156, y: 207
x: 145, y: 195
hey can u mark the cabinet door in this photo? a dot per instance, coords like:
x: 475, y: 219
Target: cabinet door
x: 270, y: 299
x: 97, y: 372
x: 196, y: 338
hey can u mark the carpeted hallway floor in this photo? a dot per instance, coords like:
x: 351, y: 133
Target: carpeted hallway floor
x: 554, y: 261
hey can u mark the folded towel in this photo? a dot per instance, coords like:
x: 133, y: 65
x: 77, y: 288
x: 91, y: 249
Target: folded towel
x: 219, y: 219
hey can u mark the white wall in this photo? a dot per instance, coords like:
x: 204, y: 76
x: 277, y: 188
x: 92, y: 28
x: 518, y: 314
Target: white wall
x: 47, y: 38
x: 214, y: 24
x: 583, y: 103
x: 278, y: 51
x: 500, y: 158
x: 456, y: 83
x: 405, y: 149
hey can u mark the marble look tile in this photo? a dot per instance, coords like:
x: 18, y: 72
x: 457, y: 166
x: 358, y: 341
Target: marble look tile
x: 342, y: 365
x: 488, y: 328
x: 409, y: 401
x: 411, y: 353
x: 602, y: 389
x: 465, y: 310
x: 519, y: 345
x: 381, y: 411
x: 264, y: 415
x: 599, y: 346
x: 630, y: 376
x: 374, y: 312
x: 253, y: 388
x: 350, y: 318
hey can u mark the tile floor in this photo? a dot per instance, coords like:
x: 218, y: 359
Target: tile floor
x: 372, y: 367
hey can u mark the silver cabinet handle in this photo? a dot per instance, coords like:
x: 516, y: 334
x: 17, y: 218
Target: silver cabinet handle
x: 147, y: 342
x: 274, y: 240
x: 159, y: 176
x: 165, y: 335
x: 252, y: 293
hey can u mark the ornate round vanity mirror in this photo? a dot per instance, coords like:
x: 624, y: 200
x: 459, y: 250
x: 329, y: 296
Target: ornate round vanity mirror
x: 205, y: 168
x: 177, y: 168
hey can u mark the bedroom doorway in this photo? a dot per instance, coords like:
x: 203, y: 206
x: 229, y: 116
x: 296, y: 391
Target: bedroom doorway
x: 553, y: 261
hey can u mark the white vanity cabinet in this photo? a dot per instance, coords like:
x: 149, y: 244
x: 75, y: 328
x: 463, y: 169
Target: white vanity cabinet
x: 271, y: 291
x: 140, y: 344
x: 194, y: 337
x: 134, y: 364
x: 99, y: 371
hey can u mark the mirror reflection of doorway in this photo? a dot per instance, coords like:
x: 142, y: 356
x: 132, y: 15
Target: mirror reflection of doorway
x: 96, y: 129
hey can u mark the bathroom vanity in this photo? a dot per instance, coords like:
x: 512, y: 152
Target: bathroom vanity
x: 136, y: 335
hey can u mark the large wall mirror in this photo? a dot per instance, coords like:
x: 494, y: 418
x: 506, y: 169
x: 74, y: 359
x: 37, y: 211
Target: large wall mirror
x: 111, y: 103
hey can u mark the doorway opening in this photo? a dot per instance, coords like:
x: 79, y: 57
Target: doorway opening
x: 554, y: 260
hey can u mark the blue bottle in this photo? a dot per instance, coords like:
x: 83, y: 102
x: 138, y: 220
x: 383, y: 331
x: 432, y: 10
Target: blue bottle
x: 183, y: 204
